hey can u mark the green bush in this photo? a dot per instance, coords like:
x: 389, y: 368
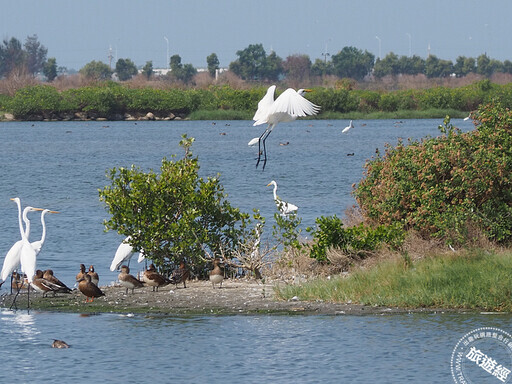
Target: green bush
x: 355, y: 241
x: 35, y: 102
x: 446, y: 186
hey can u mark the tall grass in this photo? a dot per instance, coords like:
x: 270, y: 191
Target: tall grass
x: 477, y: 279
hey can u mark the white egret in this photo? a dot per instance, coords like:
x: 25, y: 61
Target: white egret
x: 124, y: 253
x: 38, y: 245
x: 142, y: 256
x: 28, y: 254
x: 13, y: 257
x: 287, y: 107
x: 346, y: 129
x: 284, y: 207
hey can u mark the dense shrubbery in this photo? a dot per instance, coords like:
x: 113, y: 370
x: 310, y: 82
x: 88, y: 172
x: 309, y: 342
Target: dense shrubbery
x: 357, y: 241
x: 446, y: 186
x: 113, y: 100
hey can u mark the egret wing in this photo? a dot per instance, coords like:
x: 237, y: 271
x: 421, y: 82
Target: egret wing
x: 12, y: 259
x: 293, y: 104
x: 264, y: 105
x: 124, y: 252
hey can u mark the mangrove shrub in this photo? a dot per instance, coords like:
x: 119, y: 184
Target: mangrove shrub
x: 445, y: 186
x: 173, y: 215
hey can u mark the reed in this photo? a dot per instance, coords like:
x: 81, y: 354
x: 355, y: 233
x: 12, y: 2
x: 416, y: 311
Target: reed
x: 474, y: 279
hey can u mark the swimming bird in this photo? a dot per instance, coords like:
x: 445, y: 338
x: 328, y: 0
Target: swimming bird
x: 95, y: 279
x: 287, y: 107
x: 216, y: 274
x: 284, y: 207
x: 180, y: 275
x: 128, y: 281
x: 89, y: 289
x: 59, y: 344
x: 48, y: 275
x: 152, y: 278
x: 346, y: 129
x: 81, y: 274
x: 123, y: 254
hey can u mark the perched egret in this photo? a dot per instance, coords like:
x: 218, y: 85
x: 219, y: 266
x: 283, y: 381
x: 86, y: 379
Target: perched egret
x: 346, y: 129
x: 124, y: 253
x: 284, y: 207
x: 28, y: 253
x: 142, y: 256
x: 37, y: 245
x: 287, y: 107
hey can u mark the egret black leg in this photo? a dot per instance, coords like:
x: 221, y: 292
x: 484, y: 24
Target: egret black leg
x: 263, y: 138
x: 259, y: 147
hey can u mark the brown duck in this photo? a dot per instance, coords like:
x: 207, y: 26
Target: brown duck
x: 180, y: 275
x: 80, y: 274
x: 216, y: 274
x: 48, y: 275
x: 153, y: 278
x: 128, y: 281
x: 89, y: 289
x: 95, y: 279
x: 40, y: 284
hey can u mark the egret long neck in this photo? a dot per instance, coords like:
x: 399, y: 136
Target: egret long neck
x: 43, y: 235
x: 275, y: 191
x: 26, y: 234
x: 22, y: 231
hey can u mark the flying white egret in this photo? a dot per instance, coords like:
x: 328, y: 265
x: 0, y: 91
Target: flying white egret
x: 37, y: 245
x: 13, y: 256
x: 124, y: 253
x: 284, y: 207
x: 346, y: 129
x: 287, y: 107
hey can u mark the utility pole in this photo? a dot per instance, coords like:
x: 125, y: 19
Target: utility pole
x: 380, y: 46
x: 110, y: 57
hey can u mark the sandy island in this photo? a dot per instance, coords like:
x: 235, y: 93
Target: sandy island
x: 235, y: 297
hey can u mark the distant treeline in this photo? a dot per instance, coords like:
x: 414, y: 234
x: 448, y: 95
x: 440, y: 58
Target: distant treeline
x: 115, y: 101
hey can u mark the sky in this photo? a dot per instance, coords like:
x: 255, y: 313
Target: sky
x: 76, y: 32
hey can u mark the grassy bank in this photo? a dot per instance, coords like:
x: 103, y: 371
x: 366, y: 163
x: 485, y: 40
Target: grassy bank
x: 477, y: 279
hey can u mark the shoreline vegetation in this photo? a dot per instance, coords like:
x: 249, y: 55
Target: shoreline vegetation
x: 115, y: 101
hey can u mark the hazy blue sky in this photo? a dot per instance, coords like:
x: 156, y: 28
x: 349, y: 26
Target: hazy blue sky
x: 78, y: 31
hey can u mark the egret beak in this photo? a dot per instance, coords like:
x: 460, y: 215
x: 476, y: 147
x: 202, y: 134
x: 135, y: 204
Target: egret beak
x: 53, y: 212
x: 38, y: 209
x: 308, y: 90
x: 269, y: 184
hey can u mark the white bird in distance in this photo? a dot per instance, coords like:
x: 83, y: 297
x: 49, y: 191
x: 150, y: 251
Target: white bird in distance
x: 346, y: 129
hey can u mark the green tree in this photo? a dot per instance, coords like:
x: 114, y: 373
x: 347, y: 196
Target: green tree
x: 147, y: 70
x: 414, y: 65
x: 181, y: 72
x: 251, y: 63
x: 125, y: 69
x: 389, y: 65
x: 464, y: 66
x: 435, y: 67
x: 483, y: 65
x: 96, y: 70
x: 352, y: 62
x: 174, y: 215
x: 11, y: 56
x: 213, y: 64
x: 50, y: 69
x: 35, y: 54
x: 322, y: 68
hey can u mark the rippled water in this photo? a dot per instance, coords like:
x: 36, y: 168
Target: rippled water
x: 62, y: 165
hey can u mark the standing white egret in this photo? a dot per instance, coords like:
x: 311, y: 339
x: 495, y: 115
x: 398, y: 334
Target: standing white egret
x: 124, y: 253
x: 287, y: 107
x: 27, y: 254
x: 37, y: 245
x: 346, y: 129
x: 284, y: 207
x: 13, y: 257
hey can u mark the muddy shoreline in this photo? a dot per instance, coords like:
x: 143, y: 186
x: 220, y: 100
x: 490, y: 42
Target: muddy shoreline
x: 199, y: 298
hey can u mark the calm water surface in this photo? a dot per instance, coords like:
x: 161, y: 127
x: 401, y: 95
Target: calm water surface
x: 62, y: 165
